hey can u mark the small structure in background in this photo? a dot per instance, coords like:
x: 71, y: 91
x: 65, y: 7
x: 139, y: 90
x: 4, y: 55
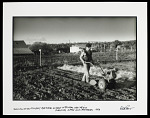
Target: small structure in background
x: 20, y: 48
x: 77, y: 48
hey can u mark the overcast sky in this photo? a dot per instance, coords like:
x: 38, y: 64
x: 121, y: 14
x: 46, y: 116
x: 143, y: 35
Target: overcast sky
x: 61, y: 30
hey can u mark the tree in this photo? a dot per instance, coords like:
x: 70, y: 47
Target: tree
x: 46, y: 49
x: 126, y: 45
x: 133, y: 45
x: 116, y: 43
x: 112, y: 47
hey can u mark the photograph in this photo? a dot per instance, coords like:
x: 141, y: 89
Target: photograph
x: 74, y: 58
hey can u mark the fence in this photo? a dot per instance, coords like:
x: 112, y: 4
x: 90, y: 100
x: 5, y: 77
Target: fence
x: 60, y: 59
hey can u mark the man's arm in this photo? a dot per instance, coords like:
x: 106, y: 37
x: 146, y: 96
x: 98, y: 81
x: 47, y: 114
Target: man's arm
x: 81, y: 57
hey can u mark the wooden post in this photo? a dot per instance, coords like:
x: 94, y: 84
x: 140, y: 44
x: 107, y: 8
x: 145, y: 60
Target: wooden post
x: 104, y: 48
x: 40, y: 56
x: 117, y: 54
x: 131, y: 49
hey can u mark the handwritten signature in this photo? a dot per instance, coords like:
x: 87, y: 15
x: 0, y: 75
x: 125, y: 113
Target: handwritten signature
x: 128, y: 107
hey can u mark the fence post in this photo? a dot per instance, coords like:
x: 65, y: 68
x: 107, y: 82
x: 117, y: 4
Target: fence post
x: 117, y: 54
x: 40, y: 56
x: 131, y: 49
x: 104, y: 47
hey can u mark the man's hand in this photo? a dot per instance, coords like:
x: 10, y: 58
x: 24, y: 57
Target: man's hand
x: 92, y: 63
x: 83, y: 62
x: 103, y: 74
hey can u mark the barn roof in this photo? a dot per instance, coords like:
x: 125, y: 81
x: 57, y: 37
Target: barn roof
x: 22, y: 51
x: 20, y: 47
x: 20, y: 44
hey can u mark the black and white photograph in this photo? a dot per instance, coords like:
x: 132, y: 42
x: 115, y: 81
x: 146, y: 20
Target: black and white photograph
x: 75, y: 58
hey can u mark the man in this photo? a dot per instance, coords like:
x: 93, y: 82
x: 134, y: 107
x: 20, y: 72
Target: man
x: 86, y: 57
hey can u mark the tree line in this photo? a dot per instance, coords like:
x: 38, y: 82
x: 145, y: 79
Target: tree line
x: 65, y: 47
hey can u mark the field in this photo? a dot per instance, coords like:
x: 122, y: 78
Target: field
x: 59, y: 78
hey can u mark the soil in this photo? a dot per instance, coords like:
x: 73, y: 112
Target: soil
x: 55, y: 84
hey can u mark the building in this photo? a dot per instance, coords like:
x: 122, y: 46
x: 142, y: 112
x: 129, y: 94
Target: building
x: 77, y: 48
x: 20, y: 48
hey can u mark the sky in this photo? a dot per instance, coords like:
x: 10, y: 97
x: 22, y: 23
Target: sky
x: 54, y: 30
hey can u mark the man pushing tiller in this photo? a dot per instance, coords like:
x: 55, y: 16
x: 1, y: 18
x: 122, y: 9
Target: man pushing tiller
x: 102, y: 81
x: 86, y: 58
